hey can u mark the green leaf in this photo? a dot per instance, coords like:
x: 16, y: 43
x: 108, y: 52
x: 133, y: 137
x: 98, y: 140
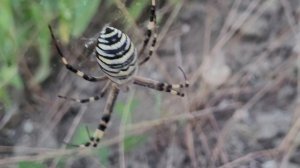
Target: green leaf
x: 17, y: 82
x: 103, y: 154
x: 120, y: 107
x: 174, y: 2
x: 133, y: 142
x: 26, y: 164
x: 7, y: 74
x: 83, y: 12
x: 158, y: 102
x: 80, y: 135
x: 7, y: 20
x: 43, y: 70
x: 137, y: 7
x: 4, y: 97
x: 64, y: 30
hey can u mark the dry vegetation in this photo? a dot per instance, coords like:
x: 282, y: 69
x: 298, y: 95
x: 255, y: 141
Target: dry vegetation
x: 242, y: 59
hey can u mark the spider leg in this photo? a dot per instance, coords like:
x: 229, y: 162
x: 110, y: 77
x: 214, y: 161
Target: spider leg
x: 98, y: 134
x: 70, y: 67
x: 86, y: 100
x: 160, y: 86
x: 150, y: 28
x: 89, y: 99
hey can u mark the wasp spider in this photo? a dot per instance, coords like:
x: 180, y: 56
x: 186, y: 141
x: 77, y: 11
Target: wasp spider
x: 118, y: 60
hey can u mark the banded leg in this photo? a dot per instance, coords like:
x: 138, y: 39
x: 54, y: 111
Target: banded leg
x: 151, y: 50
x: 70, y: 67
x: 90, y: 99
x: 95, y: 139
x: 150, y: 28
x: 165, y: 87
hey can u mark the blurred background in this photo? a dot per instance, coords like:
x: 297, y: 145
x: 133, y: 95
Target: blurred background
x: 241, y: 110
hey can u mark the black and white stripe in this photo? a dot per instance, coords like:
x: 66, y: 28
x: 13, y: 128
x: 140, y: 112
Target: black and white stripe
x: 116, y: 55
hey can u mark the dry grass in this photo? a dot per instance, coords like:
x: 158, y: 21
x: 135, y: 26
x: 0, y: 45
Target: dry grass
x: 200, y: 120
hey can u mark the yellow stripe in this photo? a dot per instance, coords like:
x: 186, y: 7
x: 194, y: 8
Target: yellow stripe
x: 128, y: 78
x: 176, y: 86
x: 118, y: 72
x: 123, y: 73
x: 101, y: 40
x: 120, y: 60
x: 64, y: 61
x: 114, y: 32
x: 153, y: 2
x: 103, y: 123
x: 100, y: 52
x: 104, y: 66
x: 151, y: 48
x: 114, y: 46
x: 120, y: 43
x: 98, y: 134
x: 151, y: 25
x: 174, y: 92
x: 79, y: 73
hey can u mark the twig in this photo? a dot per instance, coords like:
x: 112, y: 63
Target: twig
x: 287, y: 146
x: 225, y: 38
x: 239, y: 22
x: 124, y: 10
x: 251, y: 156
x: 71, y: 131
x: 161, y: 36
x: 288, y: 13
x: 239, y: 113
x: 132, y: 130
x: 190, y: 144
x: 229, y: 19
x: 123, y: 126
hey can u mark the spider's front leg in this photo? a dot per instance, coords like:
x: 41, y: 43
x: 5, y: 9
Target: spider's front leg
x: 160, y: 86
x: 70, y: 67
x: 151, y: 28
x: 98, y: 134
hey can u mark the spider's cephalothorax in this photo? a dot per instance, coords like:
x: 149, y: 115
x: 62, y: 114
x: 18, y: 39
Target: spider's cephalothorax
x: 118, y: 59
x: 116, y: 55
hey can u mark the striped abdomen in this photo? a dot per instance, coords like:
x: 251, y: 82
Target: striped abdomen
x: 116, y: 55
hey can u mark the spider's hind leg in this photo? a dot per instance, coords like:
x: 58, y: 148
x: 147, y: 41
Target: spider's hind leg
x: 98, y: 134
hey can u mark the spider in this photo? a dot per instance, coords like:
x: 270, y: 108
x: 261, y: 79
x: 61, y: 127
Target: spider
x: 118, y: 59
